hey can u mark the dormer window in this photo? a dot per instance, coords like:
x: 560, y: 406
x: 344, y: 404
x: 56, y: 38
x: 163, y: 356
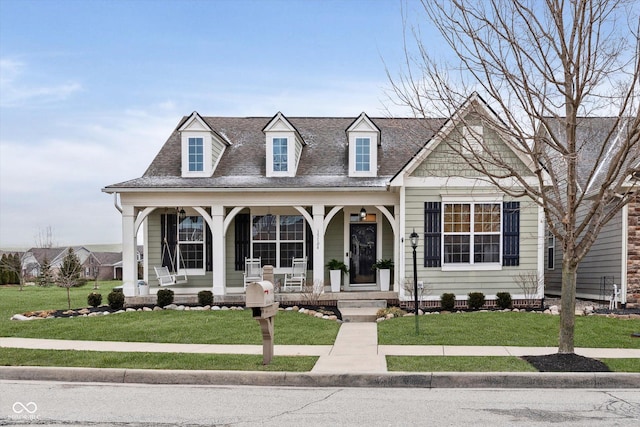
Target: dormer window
x: 283, y: 147
x: 363, y: 154
x: 202, y: 147
x: 363, y: 137
x: 280, y: 154
x: 196, y: 154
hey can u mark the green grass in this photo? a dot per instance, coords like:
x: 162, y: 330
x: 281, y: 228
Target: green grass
x: 169, y: 326
x: 458, y: 364
x: 103, y: 359
x: 485, y: 364
x: 507, y: 329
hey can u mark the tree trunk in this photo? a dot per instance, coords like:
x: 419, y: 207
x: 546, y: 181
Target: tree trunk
x: 567, y: 307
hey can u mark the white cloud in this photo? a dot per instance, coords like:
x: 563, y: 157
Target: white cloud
x: 18, y: 87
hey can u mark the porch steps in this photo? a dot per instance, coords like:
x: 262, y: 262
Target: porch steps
x: 360, y: 310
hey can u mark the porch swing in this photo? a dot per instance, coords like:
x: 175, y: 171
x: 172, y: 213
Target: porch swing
x: 164, y: 275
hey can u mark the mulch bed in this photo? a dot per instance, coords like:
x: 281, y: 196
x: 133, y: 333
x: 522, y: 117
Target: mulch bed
x: 566, y: 362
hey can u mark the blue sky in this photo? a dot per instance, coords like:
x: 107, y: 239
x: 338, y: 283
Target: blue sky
x: 90, y: 90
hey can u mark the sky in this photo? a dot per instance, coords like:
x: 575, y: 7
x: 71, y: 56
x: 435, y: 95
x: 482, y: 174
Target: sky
x: 90, y: 90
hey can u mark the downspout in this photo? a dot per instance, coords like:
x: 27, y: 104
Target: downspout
x: 625, y: 254
x: 115, y: 202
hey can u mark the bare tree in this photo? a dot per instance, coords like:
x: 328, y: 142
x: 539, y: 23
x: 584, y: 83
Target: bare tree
x: 69, y: 273
x: 44, y: 239
x: 544, y: 68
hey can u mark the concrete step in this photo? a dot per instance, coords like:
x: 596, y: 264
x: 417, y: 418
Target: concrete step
x: 372, y: 303
x: 366, y: 314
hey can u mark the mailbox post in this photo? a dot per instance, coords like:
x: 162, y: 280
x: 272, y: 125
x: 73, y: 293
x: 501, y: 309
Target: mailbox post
x: 260, y: 298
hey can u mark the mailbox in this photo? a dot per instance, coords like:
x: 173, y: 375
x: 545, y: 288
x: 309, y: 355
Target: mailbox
x: 259, y: 294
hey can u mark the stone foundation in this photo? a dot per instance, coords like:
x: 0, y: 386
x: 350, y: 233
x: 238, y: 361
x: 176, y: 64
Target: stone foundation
x: 633, y: 252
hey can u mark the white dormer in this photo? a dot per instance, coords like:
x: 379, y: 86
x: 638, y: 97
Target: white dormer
x: 283, y: 147
x: 363, y: 137
x: 202, y: 147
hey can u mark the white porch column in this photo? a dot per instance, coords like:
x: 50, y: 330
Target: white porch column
x: 129, y: 260
x: 318, y: 244
x: 217, y: 246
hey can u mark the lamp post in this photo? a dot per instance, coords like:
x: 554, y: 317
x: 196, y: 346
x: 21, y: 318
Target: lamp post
x: 414, y: 244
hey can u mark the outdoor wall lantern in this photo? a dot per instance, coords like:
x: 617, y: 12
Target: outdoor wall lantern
x: 363, y: 214
x: 414, y: 244
x: 182, y: 215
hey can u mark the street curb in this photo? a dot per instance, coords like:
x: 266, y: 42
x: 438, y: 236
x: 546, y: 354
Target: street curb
x: 305, y: 379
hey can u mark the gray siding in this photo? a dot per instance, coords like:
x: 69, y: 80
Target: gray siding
x: 463, y: 282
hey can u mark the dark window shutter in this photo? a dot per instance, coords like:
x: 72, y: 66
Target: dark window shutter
x: 208, y: 248
x: 309, y: 245
x: 432, y: 234
x: 511, y: 234
x: 169, y: 237
x: 242, y: 240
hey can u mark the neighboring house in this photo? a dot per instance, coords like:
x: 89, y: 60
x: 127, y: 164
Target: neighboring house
x: 225, y: 188
x: 614, y: 257
x: 95, y: 265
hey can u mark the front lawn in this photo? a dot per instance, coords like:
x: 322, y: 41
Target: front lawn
x: 518, y: 329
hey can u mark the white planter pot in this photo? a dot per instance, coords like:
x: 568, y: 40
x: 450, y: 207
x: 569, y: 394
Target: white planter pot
x: 336, y: 277
x: 144, y: 290
x: 385, y: 279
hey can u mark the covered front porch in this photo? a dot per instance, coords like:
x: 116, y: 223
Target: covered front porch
x: 205, y: 238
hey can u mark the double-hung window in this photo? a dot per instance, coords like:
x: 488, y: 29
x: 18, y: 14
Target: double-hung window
x: 363, y: 155
x: 277, y: 239
x: 471, y: 233
x: 280, y: 157
x: 196, y: 154
x: 191, y: 243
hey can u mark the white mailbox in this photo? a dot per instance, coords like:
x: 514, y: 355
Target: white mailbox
x: 259, y: 294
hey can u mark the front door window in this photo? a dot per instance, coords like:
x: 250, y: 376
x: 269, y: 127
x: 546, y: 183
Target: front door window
x: 363, y: 250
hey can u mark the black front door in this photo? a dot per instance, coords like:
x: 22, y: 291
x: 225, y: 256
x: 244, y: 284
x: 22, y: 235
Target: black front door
x: 363, y: 253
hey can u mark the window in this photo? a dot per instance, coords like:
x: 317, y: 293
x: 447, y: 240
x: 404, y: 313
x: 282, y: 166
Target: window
x: 363, y: 155
x: 280, y: 154
x: 551, y: 250
x: 196, y: 154
x: 191, y: 243
x: 471, y: 233
x: 277, y: 238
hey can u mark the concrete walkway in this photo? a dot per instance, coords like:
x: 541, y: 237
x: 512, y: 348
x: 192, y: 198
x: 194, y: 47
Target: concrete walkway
x: 355, y: 351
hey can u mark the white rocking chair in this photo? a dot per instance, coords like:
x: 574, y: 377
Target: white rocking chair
x: 252, y: 270
x: 298, y: 275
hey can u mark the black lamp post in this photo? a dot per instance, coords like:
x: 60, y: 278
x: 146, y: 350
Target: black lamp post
x: 414, y: 244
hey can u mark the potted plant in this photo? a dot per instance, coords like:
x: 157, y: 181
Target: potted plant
x: 336, y: 270
x: 384, y: 267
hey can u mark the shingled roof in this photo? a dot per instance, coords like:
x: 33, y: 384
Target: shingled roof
x: 323, y: 163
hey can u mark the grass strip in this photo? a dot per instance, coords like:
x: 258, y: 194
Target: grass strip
x: 485, y: 364
x: 458, y: 364
x: 139, y: 360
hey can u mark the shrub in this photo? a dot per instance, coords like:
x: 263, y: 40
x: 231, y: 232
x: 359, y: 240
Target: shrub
x: 165, y: 297
x: 205, y: 298
x: 448, y: 301
x: 116, y: 299
x: 396, y: 311
x: 94, y: 299
x: 476, y: 300
x: 503, y: 300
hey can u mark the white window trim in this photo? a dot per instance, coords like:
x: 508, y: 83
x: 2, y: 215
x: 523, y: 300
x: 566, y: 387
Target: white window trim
x: 291, y: 161
x: 179, y: 262
x: 471, y: 266
x: 207, y: 153
x: 551, y: 236
x: 277, y: 268
x: 373, y: 154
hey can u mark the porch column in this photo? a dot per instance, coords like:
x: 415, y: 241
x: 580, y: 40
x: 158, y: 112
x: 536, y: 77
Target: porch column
x: 217, y: 246
x: 129, y: 260
x: 318, y: 244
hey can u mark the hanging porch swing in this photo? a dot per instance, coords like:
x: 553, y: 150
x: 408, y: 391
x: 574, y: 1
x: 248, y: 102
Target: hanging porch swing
x: 171, y: 277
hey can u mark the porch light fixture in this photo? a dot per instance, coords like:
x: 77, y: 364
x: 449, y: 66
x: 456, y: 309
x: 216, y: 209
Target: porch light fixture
x: 363, y: 214
x: 414, y: 244
x: 182, y: 215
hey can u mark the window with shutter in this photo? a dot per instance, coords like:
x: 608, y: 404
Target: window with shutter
x: 432, y: 234
x: 511, y: 234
